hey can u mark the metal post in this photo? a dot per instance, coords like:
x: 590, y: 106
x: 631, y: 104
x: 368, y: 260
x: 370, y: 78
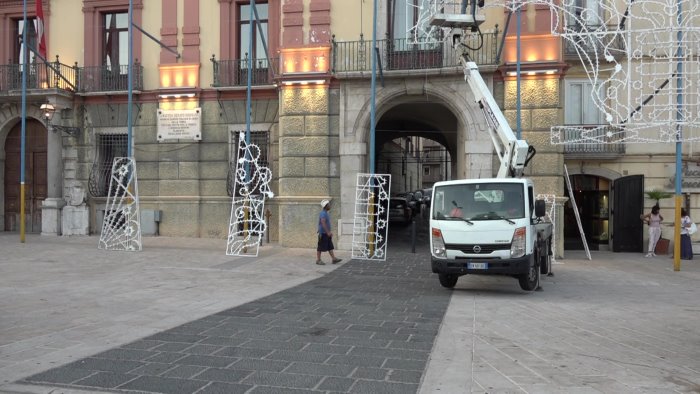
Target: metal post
x: 22, y: 224
x: 413, y: 235
x: 130, y: 76
x: 374, y: 90
x: 518, y: 120
x: 679, y: 144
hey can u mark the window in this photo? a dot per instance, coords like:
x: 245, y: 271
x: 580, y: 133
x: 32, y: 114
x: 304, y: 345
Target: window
x: 580, y: 108
x: 403, y: 16
x: 426, y: 170
x: 18, y: 53
x: 259, y: 138
x: 587, y: 12
x: 108, y: 147
x: 115, y: 41
x: 244, y: 20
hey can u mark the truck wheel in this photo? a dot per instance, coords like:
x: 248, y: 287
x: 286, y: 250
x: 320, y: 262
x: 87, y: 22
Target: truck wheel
x: 448, y: 281
x: 531, y: 280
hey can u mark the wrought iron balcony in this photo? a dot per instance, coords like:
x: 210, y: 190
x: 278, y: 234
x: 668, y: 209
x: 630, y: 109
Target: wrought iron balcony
x: 594, y: 44
x: 230, y: 73
x: 405, y: 54
x: 604, y: 149
x: 52, y: 75
x: 94, y: 79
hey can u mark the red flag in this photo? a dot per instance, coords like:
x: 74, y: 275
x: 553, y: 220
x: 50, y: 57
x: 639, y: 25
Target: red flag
x: 40, y: 28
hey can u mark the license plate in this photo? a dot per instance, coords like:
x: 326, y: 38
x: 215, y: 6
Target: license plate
x: 477, y: 266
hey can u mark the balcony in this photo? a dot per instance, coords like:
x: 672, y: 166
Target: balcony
x: 234, y: 73
x: 599, y: 142
x: 99, y: 79
x: 405, y: 54
x: 597, y: 43
x: 54, y: 75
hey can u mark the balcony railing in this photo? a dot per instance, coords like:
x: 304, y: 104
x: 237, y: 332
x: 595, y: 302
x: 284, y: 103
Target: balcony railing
x: 54, y: 75
x: 605, y: 148
x: 598, y: 44
x: 229, y: 73
x: 405, y: 54
x: 109, y: 79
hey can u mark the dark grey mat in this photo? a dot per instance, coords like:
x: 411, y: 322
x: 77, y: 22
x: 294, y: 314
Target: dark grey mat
x: 366, y: 327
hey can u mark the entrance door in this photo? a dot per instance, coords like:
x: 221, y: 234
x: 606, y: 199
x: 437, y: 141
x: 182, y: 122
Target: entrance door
x: 35, y: 176
x: 628, y: 204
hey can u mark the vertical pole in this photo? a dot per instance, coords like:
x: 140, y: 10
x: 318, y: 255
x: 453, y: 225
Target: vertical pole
x: 130, y: 76
x: 25, y: 69
x: 248, y: 106
x: 679, y: 144
x: 518, y: 28
x: 374, y: 90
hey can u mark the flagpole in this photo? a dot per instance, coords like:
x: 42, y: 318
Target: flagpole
x: 130, y: 76
x: 22, y: 224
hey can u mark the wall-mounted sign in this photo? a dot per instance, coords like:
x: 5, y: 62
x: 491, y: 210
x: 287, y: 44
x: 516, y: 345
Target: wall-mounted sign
x: 180, y: 124
x: 690, y: 178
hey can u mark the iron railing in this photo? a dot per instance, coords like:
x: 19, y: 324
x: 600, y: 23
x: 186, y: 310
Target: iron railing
x: 228, y: 73
x: 605, y: 148
x: 406, y: 54
x: 52, y: 75
x: 109, y: 79
x: 593, y: 44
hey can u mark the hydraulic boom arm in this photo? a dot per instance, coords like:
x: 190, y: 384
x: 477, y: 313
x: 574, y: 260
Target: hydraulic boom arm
x: 514, y: 154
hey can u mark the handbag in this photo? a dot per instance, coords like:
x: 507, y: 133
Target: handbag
x: 692, y: 229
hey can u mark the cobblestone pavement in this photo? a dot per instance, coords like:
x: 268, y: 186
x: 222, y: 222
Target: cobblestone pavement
x: 618, y: 324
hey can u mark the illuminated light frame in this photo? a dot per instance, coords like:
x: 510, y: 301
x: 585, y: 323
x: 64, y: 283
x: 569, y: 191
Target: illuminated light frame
x: 302, y: 60
x: 179, y: 75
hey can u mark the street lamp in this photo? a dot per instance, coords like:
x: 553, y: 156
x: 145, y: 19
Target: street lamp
x: 48, y: 111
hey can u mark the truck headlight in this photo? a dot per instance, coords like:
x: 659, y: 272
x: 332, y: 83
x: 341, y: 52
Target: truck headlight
x: 517, y: 245
x: 438, y: 243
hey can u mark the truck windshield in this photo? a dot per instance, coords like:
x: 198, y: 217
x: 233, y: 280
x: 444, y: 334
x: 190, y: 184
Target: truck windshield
x: 479, y: 201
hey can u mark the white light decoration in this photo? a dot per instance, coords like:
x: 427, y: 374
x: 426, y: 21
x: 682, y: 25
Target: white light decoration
x: 371, y: 220
x: 252, y: 182
x: 639, y: 55
x: 121, y: 226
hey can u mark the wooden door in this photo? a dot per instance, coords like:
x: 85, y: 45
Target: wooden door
x: 35, y: 176
x: 628, y: 204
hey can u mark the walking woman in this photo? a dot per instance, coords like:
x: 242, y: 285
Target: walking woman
x: 654, y: 220
x: 686, y: 246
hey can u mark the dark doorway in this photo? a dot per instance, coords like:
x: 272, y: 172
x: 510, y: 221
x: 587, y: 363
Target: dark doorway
x: 628, y: 204
x: 35, y: 175
x: 592, y: 196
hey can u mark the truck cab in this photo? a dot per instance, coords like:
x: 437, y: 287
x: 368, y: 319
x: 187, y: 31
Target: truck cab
x: 489, y: 227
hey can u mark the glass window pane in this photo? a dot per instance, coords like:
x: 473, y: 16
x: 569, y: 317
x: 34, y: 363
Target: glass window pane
x: 262, y: 11
x: 243, y: 43
x: 244, y: 14
x: 259, y: 49
x: 123, y: 49
x: 123, y: 20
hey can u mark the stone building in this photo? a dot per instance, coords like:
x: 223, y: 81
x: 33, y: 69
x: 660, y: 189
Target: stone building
x: 310, y: 112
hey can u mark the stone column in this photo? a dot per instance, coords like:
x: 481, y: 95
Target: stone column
x: 54, y: 202
x: 353, y: 157
x: 308, y: 155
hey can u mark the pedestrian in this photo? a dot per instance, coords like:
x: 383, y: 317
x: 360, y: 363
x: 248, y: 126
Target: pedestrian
x: 325, y: 235
x: 686, y: 245
x: 653, y: 219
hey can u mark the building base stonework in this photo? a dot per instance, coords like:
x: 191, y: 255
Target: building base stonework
x: 75, y: 220
x: 51, y: 216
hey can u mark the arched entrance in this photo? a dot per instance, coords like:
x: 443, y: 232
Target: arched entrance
x: 36, y: 144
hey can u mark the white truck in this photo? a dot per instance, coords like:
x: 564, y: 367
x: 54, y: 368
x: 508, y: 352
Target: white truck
x: 491, y: 226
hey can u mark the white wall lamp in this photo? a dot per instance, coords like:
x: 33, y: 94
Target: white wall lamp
x: 48, y: 111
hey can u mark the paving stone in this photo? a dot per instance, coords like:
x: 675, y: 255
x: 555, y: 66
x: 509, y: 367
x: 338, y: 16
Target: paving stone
x: 373, y: 387
x: 207, y: 361
x: 236, y: 352
x: 183, y: 371
x: 126, y: 354
x: 163, y: 385
x: 359, y: 361
x: 172, y: 346
x: 152, y: 369
x: 413, y: 365
x: 282, y: 379
x: 371, y: 373
x: 225, y: 388
x: 320, y: 369
x: 222, y: 375
x: 166, y: 357
x: 260, y: 365
x: 99, y: 364
x: 298, y: 356
x: 60, y: 375
x: 142, y: 344
x: 336, y: 384
x: 106, y: 380
x: 201, y: 349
